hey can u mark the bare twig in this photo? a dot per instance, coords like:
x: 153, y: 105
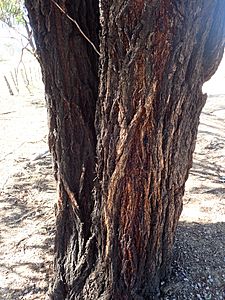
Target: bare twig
x: 77, y: 25
x: 14, y: 28
x: 14, y: 150
x: 26, y: 216
x: 28, y: 38
x: 15, y: 82
x: 41, y: 155
x: 24, y: 76
x: 6, y: 113
x: 8, y: 85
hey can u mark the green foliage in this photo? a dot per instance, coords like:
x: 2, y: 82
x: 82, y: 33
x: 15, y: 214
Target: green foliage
x: 11, y: 12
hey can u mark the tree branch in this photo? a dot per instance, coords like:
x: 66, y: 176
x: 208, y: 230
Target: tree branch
x: 77, y: 25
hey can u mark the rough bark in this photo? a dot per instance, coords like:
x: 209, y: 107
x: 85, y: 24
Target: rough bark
x: 115, y: 228
x: 70, y: 67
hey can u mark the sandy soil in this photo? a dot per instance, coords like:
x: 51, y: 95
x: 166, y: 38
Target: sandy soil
x: 27, y: 194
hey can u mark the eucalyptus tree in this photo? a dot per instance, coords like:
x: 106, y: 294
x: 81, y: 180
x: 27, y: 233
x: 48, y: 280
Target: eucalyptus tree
x: 123, y: 82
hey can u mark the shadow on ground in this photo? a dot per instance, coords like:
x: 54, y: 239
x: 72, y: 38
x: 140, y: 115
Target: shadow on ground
x: 27, y: 232
x: 198, y: 267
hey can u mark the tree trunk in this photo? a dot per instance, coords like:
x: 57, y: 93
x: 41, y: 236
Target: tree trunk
x: 70, y: 68
x: 122, y: 154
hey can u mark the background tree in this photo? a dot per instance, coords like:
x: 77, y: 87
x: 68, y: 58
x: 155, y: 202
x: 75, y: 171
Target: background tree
x: 13, y: 15
x: 122, y: 142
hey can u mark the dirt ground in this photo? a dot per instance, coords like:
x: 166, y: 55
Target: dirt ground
x: 27, y: 195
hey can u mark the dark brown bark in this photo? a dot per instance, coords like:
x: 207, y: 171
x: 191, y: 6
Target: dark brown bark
x: 70, y: 68
x: 115, y: 228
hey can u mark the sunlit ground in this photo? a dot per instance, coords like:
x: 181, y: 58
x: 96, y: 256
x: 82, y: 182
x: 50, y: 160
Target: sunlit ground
x: 27, y: 190
x: 207, y: 177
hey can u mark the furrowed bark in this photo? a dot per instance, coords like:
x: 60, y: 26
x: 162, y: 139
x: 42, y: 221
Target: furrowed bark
x: 115, y: 228
x: 156, y: 58
x: 70, y: 67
